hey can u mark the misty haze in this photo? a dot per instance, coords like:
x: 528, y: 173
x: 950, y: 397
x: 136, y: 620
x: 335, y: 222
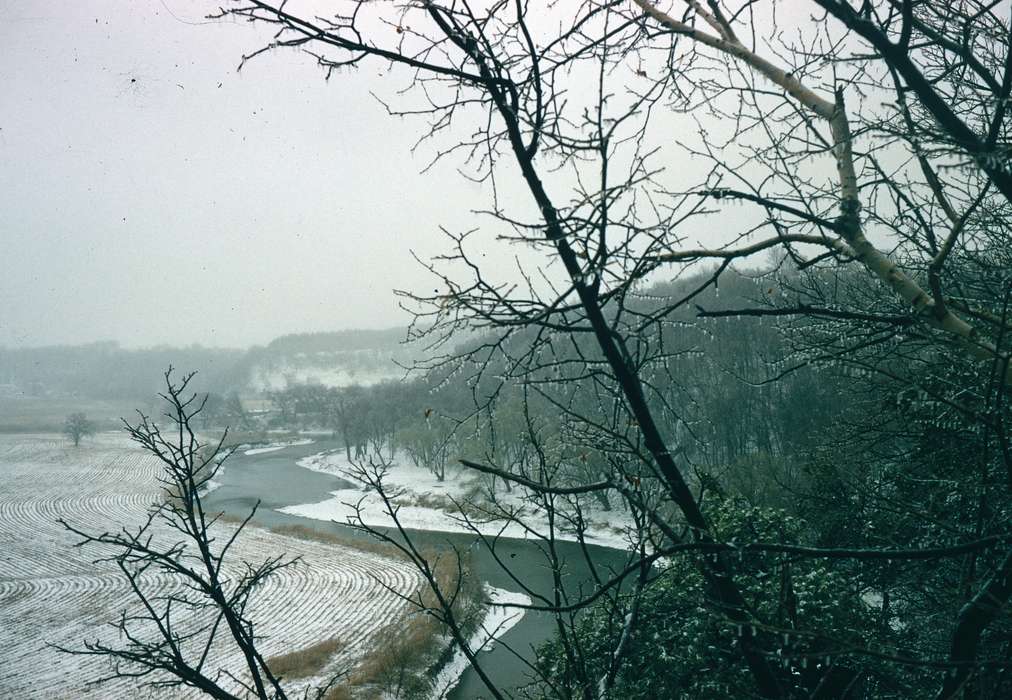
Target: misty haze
x: 432, y: 349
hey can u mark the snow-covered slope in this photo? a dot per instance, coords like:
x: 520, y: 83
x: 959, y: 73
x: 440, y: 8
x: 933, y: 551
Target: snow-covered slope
x: 337, y: 359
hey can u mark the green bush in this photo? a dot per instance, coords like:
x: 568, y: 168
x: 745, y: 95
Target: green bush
x: 681, y: 648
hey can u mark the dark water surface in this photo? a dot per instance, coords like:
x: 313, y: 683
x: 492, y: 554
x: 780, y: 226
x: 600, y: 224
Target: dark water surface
x: 274, y: 479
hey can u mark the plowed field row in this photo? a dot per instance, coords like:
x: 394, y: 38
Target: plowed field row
x: 54, y: 593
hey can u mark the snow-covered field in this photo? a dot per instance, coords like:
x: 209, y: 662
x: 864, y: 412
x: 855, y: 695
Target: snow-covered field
x: 425, y: 503
x: 54, y: 593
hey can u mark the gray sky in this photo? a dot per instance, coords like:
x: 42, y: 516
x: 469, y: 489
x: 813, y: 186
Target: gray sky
x: 150, y: 194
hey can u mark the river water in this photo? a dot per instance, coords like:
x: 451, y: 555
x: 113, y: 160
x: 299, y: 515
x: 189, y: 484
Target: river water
x: 277, y: 481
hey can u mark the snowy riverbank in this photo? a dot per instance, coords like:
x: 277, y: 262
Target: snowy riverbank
x: 425, y: 503
x: 498, y: 621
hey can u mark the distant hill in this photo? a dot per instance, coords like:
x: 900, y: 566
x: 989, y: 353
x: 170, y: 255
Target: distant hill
x: 340, y: 358
x: 336, y: 341
x: 107, y: 371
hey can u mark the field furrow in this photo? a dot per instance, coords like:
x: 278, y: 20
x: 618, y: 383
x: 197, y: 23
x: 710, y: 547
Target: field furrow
x: 55, y: 594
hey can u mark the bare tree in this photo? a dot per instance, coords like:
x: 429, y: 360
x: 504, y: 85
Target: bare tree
x: 877, y: 141
x: 77, y: 426
x: 193, y: 597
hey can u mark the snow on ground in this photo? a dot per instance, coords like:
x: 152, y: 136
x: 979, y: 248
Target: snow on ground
x: 498, y: 621
x: 54, y: 593
x: 280, y: 378
x: 210, y: 485
x: 425, y: 503
x: 275, y: 446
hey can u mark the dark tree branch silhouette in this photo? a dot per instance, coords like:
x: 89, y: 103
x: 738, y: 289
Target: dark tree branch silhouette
x: 878, y: 143
x: 192, y: 596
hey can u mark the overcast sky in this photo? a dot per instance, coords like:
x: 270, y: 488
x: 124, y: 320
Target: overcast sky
x: 151, y: 194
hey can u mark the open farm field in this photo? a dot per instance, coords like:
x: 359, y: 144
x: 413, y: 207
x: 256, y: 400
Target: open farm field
x: 52, y: 593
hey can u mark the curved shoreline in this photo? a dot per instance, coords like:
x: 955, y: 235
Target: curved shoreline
x: 276, y: 481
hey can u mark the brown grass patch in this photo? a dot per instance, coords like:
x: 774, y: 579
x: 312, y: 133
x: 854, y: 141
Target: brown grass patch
x: 400, y: 660
x: 433, y: 501
x: 304, y: 532
x: 310, y: 534
x: 307, y: 661
x: 410, y: 649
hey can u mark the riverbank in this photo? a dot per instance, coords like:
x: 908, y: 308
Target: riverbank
x: 461, y: 502
x: 276, y: 481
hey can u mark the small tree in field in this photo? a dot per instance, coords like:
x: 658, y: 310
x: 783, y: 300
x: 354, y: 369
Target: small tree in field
x: 78, y: 426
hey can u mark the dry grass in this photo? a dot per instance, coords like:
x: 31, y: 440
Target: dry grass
x: 310, y: 534
x: 410, y: 649
x: 305, y: 662
x: 474, y: 504
x: 404, y: 652
x: 303, y: 532
x: 435, y: 502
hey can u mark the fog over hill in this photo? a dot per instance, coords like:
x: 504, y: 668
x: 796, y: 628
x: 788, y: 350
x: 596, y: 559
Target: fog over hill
x: 106, y: 370
x: 332, y: 359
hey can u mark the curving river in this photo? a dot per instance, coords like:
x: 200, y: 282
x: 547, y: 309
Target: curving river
x: 274, y: 479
